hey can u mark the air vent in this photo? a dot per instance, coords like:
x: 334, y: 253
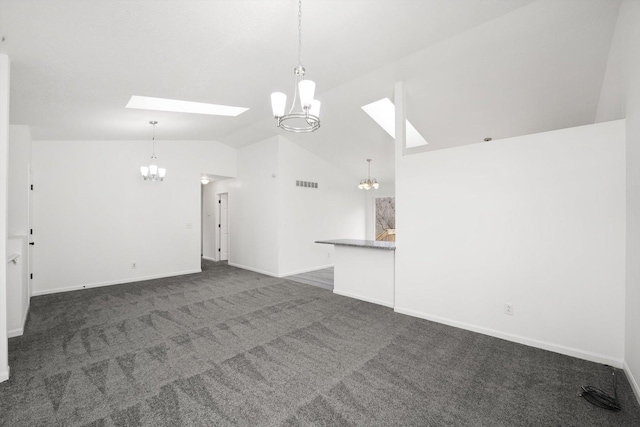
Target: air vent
x: 306, y: 184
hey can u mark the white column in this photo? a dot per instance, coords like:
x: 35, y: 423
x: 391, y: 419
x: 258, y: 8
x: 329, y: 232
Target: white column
x: 4, y: 153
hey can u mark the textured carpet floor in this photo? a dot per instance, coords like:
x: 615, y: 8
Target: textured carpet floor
x: 233, y: 347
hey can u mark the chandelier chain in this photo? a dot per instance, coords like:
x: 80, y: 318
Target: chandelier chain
x: 299, y: 32
x: 295, y: 94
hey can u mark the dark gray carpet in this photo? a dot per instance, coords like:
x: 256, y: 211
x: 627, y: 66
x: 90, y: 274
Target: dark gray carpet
x: 233, y: 347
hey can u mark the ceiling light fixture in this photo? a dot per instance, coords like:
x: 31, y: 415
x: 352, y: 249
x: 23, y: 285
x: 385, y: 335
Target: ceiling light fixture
x: 367, y: 184
x: 307, y: 120
x: 177, y: 106
x: 153, y: 172
x: 205, y: 180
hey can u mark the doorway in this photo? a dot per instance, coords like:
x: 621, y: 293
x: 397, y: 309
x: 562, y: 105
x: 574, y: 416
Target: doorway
x: 223, y: 226
x: 215, y: 225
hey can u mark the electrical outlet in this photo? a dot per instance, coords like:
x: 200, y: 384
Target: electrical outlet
x: 508, y: 309
x: 189, y: 225
x: 133, y: 266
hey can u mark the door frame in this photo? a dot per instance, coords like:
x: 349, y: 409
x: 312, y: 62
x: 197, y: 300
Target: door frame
x: 219, y: 229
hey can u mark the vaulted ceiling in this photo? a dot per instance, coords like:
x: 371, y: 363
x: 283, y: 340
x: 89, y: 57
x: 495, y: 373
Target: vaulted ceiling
x: 472, y: 68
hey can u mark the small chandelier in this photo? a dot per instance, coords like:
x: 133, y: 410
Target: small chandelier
x: 153, y: 172
x: 367, y: 184
x: 308, y: 118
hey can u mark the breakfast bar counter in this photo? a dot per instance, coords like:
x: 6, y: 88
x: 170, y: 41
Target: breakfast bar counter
x: 364, y: 269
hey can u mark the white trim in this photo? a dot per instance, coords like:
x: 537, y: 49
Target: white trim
x: 632, y: 381
x: 306, y: 270
x: 114, y: 282
x: 568, y: 351
x: 26, y: 312
x: 4, y: 375
x: 209, y: 258
x: 15, y: 333
x: 279, y: 276
x: 20, y: 331
x: 257, y: 270
x: 367, y: 299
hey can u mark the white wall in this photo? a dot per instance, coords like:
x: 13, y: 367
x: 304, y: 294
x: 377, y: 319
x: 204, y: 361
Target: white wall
x: 536, y: 221
x: 273, y: 224
x: 19, y: 160
x: 620, y: 97
x: 94, y: 215
x: 4, y: 154
x: 335, y: 210
x: 627, y: 43
x: 254, y: 209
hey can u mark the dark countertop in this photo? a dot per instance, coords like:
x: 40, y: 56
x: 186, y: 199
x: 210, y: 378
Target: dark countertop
x: 390, y: 246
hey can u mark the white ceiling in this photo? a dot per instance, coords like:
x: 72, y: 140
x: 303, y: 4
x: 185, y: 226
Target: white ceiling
x: 472, y: 68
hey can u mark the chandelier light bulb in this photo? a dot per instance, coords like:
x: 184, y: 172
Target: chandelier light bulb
x: 278, y: 103
x: 307, y: 89
x: 315, y: 108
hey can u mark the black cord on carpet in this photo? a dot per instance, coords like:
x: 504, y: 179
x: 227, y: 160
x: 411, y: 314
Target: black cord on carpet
x: 599, y: 398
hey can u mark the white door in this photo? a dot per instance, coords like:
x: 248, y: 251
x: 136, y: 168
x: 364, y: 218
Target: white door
x: 224, y: 226
x: 31, y: 237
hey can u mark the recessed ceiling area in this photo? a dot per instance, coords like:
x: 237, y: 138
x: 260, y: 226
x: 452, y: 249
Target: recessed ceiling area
x: 179, y: 106
x: 471, y: 68
x: 383, y: 112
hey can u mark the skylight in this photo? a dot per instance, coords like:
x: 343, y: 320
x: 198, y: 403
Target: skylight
x: 384, y: 114
x: 177, y: 106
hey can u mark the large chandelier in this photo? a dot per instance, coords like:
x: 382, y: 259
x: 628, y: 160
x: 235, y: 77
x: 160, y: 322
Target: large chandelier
x: 308, y: 118
x: 367, y: 184
x: 153, y: 172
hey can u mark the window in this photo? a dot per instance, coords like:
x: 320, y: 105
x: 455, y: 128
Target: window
x: 385, y: 218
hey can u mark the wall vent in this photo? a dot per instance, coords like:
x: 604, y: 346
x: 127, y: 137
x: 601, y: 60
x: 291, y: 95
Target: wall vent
x: 306, y: 184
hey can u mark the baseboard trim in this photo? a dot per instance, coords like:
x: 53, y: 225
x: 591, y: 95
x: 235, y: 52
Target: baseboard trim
x: 306, y: 270
x: 209, y: 258
x: 632, y: 381
x: 20, y: 331
x: 26, y: 313
x: 256, y: 270
x: 272, y: 274
x: 4, y: 375
x: 367, y: 299
x: 114, y: 282
x: 567, y: 351
x: 15, y: 333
